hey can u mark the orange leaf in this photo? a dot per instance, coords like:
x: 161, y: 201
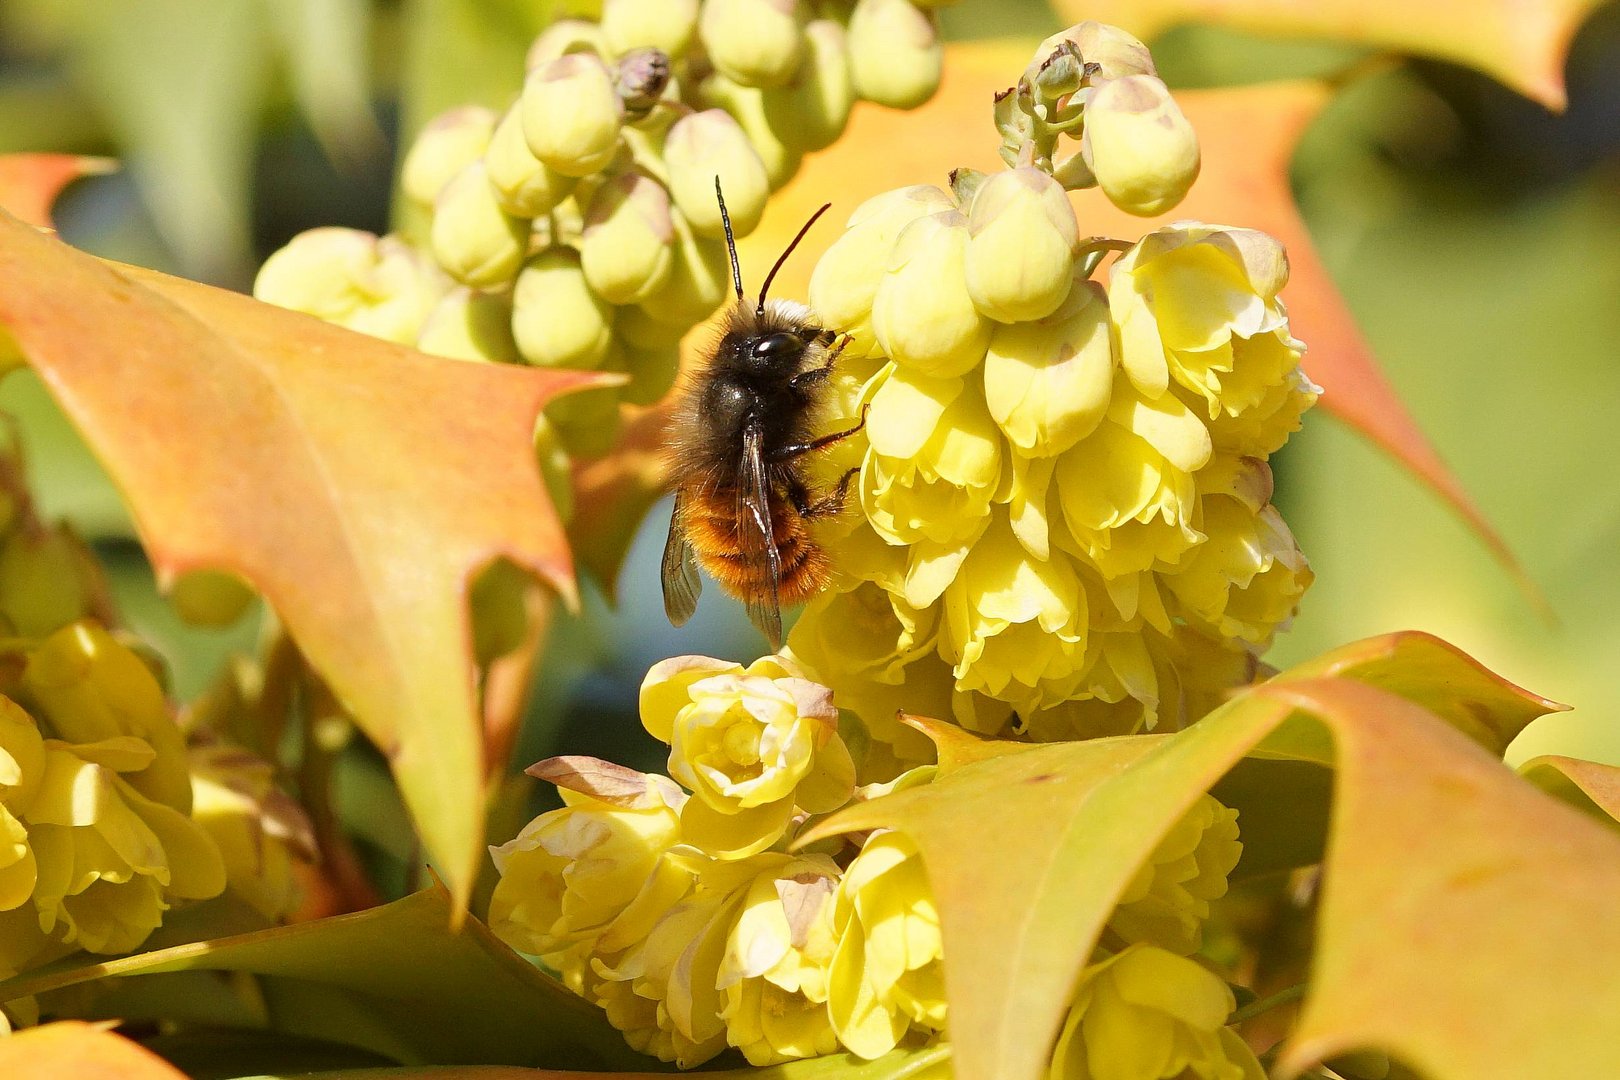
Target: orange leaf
x: 613, y: 493
x: 30, y: 183
x: 81, y: 1051
x: 1248, y: 136
x: 358, y: 485
x: 1586, y: 785
x: 1519, y: 44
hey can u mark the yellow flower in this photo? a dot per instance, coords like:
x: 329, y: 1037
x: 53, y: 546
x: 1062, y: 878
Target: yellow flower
x: 1127, y: 490
x: 592, y: 874
x: 867, y: 632
x: 22, y: 768
x: 261, y: 832
x: 378, y: 286
x: 1148, y: 1014
x: 1197, y: 304
x: 1262, y: 430
x: 887, y: 975
x: 846, y: 278
x: 750, y: 744
x: 773, y: 977
x: 1015, y: 627
x: 1167, y: 902
x: 1020, y: 255
x: 923, y: 314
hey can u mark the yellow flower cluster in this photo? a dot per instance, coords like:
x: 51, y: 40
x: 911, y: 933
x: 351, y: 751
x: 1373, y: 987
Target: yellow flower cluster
x: 681, y: 913
x: 579, y: 228
x: 1066, y: 526
x: 96, y: 835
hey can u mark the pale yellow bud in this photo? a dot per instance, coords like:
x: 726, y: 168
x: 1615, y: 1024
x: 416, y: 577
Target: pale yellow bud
x: 779, y: 151
x: 652, y: 372
x: 587, y: 421
x: 557, y: 320
x: 638, y: 329
x: 626, y: 246
x: 566, y: 36
x: 895, y: 54
x: 710, y: 144
x: 1138, y: 144
x: 524, y: 185
x: 470, y: 325
x: 922, y: 314
x: 450, y: 142
x: 814, y: 106
x: 665, y: 25
x: 1115, y: 52
x: 754, y: 42
x: 1048, y: 382
x: 379, y: 286
x: 476, y: 241
x: 846, y: 278
x: 1021, y: 253
x: 571, y: 114
x: 699, y: 279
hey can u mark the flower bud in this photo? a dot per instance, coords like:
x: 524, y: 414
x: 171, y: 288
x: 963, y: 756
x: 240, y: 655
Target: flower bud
x: 1047, y: 382
x: 895, y: 54
x: 638, y: 329
x: 640, y: 80
x: 524, y: 185
x: 665, y: 25
x: 477, y: 242
x: 214, y: 598
x: 846, y: 278
x: 754, y: 42
x: 587, y: 422
x: 566, y: 36
x: 1021, y: 253
x: 699, y: 279
x: 261, y: 833
x: 48, y: 579
x: 922, y: 314
x: 1167, y: 902
x: 557, y: 321
x: 470, y: 325
x: 652, y: 372
x: 813, y: 107
x: 625, y: 248
x: 779, y: 150
x: 571, y: 114
x: 1138, y: 144
x: 450, y: 142
x: 706, y: 145
x: 382, y: 287
x: 1116, y: 53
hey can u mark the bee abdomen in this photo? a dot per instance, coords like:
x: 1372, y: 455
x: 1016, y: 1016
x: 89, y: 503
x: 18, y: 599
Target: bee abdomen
x: 803, y: 565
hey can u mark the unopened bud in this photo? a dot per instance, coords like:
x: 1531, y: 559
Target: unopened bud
x: 814, y: 106
x: 378, y: 286
x: 473, y: 238
x: 447, y: 145
x: 625, y: 248
x: 665, y: 25
x: 652, y: 372
x: 699, y: 279
x: 779, y: 150
x: 557, y: 321
x: 587, y: 422
x: 1107, y: 51
x: 571, y: 114
x: 1141, y: 148
x: 895, y: 54
x: 567, y: 36
x: 470, y: 325
x: 213, y: 598
x: 524, y: 185
x: 922, y: 314
x: 640, y: 80
x: 754, y: 42
x: 1021, y: 254
x: 639, y: 330
x: 706, y: 145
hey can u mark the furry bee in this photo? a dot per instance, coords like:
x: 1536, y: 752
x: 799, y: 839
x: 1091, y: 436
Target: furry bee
x: 740, y: 434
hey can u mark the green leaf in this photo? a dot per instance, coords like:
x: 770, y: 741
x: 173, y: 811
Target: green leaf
x: 1588, y: 786
x: 394, y: 980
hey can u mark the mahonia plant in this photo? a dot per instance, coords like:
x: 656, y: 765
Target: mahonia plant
x: 1065, y: 531
x: 578, y: 228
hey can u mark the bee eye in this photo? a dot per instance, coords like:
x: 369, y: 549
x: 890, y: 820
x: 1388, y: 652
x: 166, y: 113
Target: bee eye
x: 778, y: 346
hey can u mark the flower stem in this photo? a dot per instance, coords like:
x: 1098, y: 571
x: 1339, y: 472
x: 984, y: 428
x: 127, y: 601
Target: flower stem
x: 1255, y: 1008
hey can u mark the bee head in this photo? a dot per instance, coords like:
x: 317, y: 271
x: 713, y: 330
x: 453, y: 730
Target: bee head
x: 777, y: 351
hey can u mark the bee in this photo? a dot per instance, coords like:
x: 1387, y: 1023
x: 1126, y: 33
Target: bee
x: 740, y: 436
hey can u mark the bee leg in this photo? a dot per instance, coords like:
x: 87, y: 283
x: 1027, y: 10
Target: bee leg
x: 815, y: 375
x: 832, y: 505
x: 799, y: 496
x: 793, y: 450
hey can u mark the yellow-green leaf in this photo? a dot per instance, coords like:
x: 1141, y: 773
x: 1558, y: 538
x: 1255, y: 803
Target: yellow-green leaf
x: 1586, y: 785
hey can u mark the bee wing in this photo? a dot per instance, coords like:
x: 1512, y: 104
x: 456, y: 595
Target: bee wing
x: 681, y: 582
x: 756, y: 538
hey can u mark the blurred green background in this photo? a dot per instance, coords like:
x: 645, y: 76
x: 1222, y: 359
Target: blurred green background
x: 1475, y: 236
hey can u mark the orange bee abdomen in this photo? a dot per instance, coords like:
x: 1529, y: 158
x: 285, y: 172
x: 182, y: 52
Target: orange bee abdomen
x: 710, y: 524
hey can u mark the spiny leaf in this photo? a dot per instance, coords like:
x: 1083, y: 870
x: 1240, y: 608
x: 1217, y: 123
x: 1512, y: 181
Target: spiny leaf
x: 81, y: 1051
x: 1248, y: 137
x: 1066, y: 827
x: 30, y: 183
x: 394, y: 979
x: 1586, y: 785
x: 613, y: 493
x: 356, y: 484
x: 1521, y: 45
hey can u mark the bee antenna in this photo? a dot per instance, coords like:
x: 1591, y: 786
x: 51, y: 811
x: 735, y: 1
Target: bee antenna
x: 731, y: 241
x: 770, y: 277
